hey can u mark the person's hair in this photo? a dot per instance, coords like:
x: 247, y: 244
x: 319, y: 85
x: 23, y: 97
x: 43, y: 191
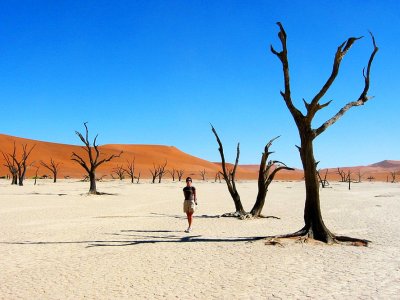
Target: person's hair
x: 188, y: 179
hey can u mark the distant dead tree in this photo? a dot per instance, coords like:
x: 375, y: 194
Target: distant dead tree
x: 324, y: 182
x: 218, y: 176
x: 119, y: 171
x: 36, y: 174
x: 370, y: 178
x: 154, y: 173
x: 10, y: 164
x: 203, y: 174
x: 138, y: 177
x: 314, y: 226
x: 162, y: 171
x: 180, y: 174
x: 130, y: 169
x: 342, y: 174
x: 93, y: 156
x: 266, y: 174
x: 393, y: 176
x: 172, y: 172
x: 18, y: 167
x: 348, y: 177
x: 359, y: 175
x: 52, y: 167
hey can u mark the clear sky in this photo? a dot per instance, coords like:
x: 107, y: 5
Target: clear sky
x: 158, y: 72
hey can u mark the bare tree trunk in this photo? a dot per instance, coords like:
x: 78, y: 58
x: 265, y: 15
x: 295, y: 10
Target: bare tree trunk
x: 92, y: 179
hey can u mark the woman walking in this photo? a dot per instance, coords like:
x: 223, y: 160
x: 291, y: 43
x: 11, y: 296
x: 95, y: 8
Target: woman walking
x: 190, y: 202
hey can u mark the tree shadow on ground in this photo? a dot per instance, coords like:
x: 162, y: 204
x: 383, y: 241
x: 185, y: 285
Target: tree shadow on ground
x: 136, y: 239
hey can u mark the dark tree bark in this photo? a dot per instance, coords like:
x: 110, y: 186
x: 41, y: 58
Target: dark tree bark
x: 172, y: 174
x: 53, y: 167
x: 130, y: 170
x: 230, y: 177
x: 120, y: 172
x: 93, y: 153
x: 342, y: 174
x: 18, y: 167
x: 180, y: 174
x: 203, y: 174
x: 314, y: 226
x: 324, y: 182
x: 154, y: 173
x: 162, y: 171
x: 10, y: 164
x: 266, y: 175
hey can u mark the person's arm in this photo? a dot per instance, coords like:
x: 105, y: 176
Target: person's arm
x: 194, y: 195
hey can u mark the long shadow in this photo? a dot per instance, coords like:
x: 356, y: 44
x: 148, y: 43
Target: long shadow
x: 147, y: 239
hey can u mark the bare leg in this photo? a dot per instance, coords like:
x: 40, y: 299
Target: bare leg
x: 190, y: 218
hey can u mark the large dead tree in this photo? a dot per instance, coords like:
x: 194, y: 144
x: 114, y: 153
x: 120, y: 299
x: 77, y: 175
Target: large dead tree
x: 314, y: 226
x: 266, y: 174
x: 53, y: 167
x: 93, y: 159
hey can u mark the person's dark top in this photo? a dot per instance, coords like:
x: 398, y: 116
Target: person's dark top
x: 190, y: 192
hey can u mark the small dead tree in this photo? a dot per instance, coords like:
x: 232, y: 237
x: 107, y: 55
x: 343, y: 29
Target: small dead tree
x: 120, y: 172
x: 53, y: 167
x: 18, y: 167
x: 349, y: 179
x: 324, y: 182
x: 370, y: 178
x: 36, y: 174
x: 154, y: 173
x: 10, y: 164
x: 359, y: 175
x: 266, y: 174
x: 130, y: 169
x: 162, y: 171
x: 172, y: 172
x: 218, y: 177
x: 93, y: 156
x: 393, y: 176
x: 180, y: 174
x: 138, y: 178
x: 203, y: 174
x: 314, y: 226
x: 342, y: 174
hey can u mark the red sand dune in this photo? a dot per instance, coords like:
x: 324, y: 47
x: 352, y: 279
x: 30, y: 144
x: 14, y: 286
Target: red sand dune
x: 146, y: 156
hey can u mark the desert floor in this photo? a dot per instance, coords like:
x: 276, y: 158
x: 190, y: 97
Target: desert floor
x: 56, y: 242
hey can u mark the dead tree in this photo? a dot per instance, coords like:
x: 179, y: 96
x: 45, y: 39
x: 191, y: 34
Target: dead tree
x: 218, y: 176
x: 393, y: 175
x: 266, y: 175
x: 359, y: 175
x: 230, y: 177
x: 130, y: 170
x: 324, y: 182
x: 203, y: 174
x: 138, y: 178
x: 10, y: 164
x: 342, y: 174
x: 370, y: 178
x: 314, y: 226
x: 154, y: 173
x: 18, y: 167
x: 52, y: 167
x: 36, y: 174
x: 93, y: 156
x: 162, y: 171
x: 120, y: 172
x: 172, y: 173
x: 349, y: 179
x: 180, y: 174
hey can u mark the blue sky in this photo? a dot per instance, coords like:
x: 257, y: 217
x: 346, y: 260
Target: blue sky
x: 158, y: 72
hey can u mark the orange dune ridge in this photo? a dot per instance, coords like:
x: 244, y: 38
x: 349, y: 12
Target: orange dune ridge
x: 148, y: 156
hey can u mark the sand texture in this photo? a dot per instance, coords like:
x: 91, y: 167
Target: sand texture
x: 56, y: 242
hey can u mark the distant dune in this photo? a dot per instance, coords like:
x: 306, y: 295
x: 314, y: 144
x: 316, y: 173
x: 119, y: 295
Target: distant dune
x: 148, y: 156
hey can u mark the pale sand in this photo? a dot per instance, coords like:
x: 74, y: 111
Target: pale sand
x: 132, y: 245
